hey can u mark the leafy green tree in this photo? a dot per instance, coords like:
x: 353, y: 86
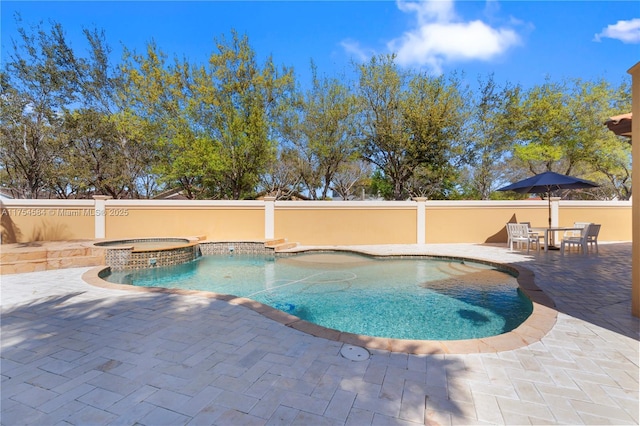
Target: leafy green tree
x: 107, y: 145
x: 92, y: 141
x: 215, y: 124
x: 603, y: 157
x: 412, y: 127
x: 103, y: 91
x: 384, y: 140
x: 612, y: 159
x: 434, y: 117
x: 493, y: 118
x: 161, y: 98
x: 561, y: 129
x: 243, y: 111
x: 381, y: 186
x: 50, y: 92
x: 324, y: 132
x: 37, y: 81
x: 545, y: 128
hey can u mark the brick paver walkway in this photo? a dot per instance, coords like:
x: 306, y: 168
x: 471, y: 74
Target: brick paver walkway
x: 77, y: 354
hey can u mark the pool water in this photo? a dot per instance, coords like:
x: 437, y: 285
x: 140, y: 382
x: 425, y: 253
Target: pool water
x: 404, y: 298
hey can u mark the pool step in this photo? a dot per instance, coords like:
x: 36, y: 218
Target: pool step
x: 276, y: 242
x: 285, y: 246
x: 280, y: 244
x: 32, y: 257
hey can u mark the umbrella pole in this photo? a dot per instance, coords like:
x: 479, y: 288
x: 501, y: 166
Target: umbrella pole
x: 549, y: 200
x: 552, y: 235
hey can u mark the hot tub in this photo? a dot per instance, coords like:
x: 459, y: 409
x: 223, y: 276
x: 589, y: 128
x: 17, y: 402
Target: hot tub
x: 142, y: 253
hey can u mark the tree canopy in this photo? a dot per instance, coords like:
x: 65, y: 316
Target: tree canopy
x: 237, y: 127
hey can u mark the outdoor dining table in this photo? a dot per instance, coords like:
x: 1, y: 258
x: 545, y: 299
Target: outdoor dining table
x: 553, y: 229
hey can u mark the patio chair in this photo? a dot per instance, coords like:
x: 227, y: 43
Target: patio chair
x: 592, y: 235
x: 509, y: 242
x: 519, y: 233
x: 576, y: 233
x: 580, y: 241
x: 532, y: 233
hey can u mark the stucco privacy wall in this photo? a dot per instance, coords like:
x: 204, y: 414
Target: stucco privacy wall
x: 346, y: 223
x: 304, y: 222
x: 479, y: 221
x: 46, y: 220
x: 217, y: 220
x: 616, y: 222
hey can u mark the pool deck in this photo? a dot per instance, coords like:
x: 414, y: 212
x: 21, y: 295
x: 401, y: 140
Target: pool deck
x: 75, y: 353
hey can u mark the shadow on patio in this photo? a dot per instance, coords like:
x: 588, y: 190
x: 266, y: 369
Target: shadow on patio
x: 173, y: 359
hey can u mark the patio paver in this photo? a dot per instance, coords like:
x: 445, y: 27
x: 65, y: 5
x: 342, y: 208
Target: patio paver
x: 73, y: 353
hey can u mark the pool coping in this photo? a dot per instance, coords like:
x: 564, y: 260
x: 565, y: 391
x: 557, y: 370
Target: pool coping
x: 532, y: 330
x: 129, y: 243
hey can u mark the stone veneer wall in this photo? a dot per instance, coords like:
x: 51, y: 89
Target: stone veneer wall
x: 241, y: 247
x: 125, y: 258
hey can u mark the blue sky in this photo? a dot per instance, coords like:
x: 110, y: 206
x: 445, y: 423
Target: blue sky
x: 518, y: 41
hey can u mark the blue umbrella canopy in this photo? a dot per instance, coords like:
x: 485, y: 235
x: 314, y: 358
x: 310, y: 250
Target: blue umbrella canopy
x: 547, y: 182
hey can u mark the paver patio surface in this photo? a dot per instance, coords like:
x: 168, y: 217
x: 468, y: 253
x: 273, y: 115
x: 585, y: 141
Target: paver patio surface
x: 72, y: 353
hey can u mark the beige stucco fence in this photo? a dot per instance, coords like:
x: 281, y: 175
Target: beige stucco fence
x: 305, y: 222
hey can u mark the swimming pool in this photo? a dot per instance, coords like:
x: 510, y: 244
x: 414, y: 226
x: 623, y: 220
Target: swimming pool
x: 403, y: 298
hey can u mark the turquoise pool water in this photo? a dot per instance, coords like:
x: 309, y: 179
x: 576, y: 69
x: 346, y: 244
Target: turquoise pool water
x: 404, y: 298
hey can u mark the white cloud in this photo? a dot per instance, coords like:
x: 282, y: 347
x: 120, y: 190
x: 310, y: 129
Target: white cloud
x: 440, y: 36
x: 436, y: 43
x: 360, y: 53
x: 625, y: 31
x: 438, y: 10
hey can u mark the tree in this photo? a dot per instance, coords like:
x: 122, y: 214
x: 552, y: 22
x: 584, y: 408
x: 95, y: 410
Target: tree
x: 603, y: 156
x: 412, y: 128
x: 324, y: 132
x: 384, y: 140
x: 282, y: 178
x: 545, y: 127
x: 352, y: 179
x: 48, y: 94
x: 214, y: 124
x: 562, y: 130
x: 243, y: 110
x: 104, y: 95
x: 158, y: 101
x: 434, y: 116
x: 38, y: 80
x: 494, y: 115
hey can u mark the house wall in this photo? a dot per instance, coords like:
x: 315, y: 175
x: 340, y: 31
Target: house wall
x: 635, y: 152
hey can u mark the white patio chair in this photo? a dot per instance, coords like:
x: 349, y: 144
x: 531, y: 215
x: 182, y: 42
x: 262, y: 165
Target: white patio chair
x: 533, y: 233
x: 592, y: 235
x: 576, y: 233
x: 509, y: 242
x: 580, y: 241
x: 519, y: 233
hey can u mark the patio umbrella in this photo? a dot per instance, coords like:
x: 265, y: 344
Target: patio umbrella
x: 546, y: 183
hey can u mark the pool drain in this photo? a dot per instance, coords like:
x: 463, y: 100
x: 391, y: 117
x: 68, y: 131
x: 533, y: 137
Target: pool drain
x: 354, y: 353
